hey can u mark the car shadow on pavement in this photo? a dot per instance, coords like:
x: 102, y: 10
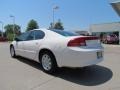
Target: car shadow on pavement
x: 89, y: 76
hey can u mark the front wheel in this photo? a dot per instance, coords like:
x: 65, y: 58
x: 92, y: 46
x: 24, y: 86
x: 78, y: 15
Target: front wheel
x: 12, y: 52
x: 48, y: 62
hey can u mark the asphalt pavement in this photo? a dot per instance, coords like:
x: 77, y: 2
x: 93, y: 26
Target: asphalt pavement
x: 24, y: 74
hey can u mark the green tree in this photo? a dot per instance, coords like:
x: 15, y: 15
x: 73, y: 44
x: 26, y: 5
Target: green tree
x: 9, y: 31
x: 51, y: 26
x: 58, y: 25
x: 32, y: 24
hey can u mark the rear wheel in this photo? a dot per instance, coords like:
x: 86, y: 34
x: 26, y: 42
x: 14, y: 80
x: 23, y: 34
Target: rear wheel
x: 12, y: 52
x: 48, y: 62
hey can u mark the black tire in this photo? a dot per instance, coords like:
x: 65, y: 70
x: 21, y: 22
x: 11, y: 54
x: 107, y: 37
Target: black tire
x: 52, y: 60
x: 12, y: 52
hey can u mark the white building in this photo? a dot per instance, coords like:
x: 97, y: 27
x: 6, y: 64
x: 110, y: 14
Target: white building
x: 105, y: 27
x: 97, y: 29
x: 114, y: 27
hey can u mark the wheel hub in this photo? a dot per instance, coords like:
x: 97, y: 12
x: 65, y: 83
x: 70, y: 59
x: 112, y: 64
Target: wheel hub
x: 46, y: 62
x: 12, y: 51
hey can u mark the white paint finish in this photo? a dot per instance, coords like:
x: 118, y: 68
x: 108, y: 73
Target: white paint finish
x: 65, y: 56
x: 30, y: 49
x: 19, y: 48
x: 77, y: 57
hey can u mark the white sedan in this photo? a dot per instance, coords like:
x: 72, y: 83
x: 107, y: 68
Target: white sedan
x: 57, y: 48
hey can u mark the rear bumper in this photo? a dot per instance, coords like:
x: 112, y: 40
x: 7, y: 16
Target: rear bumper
x: 74, y: 57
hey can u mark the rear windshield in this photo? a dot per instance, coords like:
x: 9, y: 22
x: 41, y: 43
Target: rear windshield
x: 66, y: 33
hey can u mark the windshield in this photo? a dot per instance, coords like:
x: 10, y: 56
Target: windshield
x: 66, y: 33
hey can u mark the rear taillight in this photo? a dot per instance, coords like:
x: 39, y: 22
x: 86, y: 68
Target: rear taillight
x: 80, y: 41
x: 76, y: 42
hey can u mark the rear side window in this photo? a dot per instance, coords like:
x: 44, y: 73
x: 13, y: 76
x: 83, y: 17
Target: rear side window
x: 66, y: 33
x: 39, y: 34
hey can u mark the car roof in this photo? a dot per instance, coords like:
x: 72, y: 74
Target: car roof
x: 44, y: 30
x: 40, y: 29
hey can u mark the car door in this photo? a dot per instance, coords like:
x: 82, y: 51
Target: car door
x: 39, y: 40
x: 31, y: 46
x: 19, y: 47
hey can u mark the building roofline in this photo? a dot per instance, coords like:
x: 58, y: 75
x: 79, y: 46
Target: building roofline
x: 105, y: 23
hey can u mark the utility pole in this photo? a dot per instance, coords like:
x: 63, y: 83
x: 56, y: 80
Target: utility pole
x: 54, y: 8
x: 13, y: 18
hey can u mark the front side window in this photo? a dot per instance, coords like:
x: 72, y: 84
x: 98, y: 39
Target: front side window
x: 31, y: 36
x: 24, y: 36
x: 39, y: 34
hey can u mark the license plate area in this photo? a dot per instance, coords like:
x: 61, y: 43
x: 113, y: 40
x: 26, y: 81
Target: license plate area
x: 92, y: 43
x: 99, y: 55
